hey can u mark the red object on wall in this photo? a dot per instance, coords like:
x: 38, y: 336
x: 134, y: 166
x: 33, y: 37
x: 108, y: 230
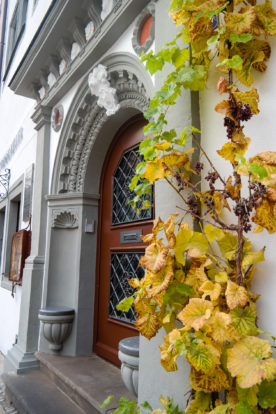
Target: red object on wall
x: 145, y: 31
x: 20, y: 250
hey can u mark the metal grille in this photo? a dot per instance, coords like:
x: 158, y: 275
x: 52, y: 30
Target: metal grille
x: 123, y: 266
x: 122, y: 212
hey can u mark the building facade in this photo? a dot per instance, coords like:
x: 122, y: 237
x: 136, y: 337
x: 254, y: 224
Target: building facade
x: 72, y: 97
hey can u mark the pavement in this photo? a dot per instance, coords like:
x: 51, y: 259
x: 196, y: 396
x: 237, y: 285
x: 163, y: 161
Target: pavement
x: 1, y: 371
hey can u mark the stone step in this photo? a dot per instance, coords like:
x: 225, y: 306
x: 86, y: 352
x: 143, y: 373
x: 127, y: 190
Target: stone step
x: 35, y: 393
x: 88, y: 381
x: 65, y: 385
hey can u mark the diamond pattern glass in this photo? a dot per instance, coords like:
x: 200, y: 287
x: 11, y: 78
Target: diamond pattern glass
x: 122, y: 212
x: 123, y: 266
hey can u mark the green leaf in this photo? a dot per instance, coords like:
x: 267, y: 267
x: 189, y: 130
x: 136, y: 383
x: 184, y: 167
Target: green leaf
x: 244, y: 408
x: 107, y: 401
x: 242, y: 38
x: 125, y: 304
x: 146, y: 405
x: 221, y: 409
x: 193, y: 77
x: 244, y: 321
x: 234, y: 63
x: 248, y: 394
x: 125, y: 406
x: 153, y: 62
x: 267, y: 394
x: 180, y: 57
x: 258, y: 170
x: 141, y: 168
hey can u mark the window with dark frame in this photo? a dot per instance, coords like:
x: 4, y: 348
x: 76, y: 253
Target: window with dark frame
x: 16, y: 29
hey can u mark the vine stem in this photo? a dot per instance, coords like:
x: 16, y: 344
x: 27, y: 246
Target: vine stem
x: 208, y: 159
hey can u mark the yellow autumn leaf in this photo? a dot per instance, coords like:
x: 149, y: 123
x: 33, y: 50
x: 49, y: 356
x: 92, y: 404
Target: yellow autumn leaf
x: 169, y: 355
x: 148, y: 324
x: 221, y: 328
x: 266, y: 215
x: 213, y: 233
x: 177, y: 159
x: 196, y: 313
x: 160, y: 281
x: 155, y: 257
x: 241, y: 22
x: 267, y: 16
x: 210, y: 289
x: 228, y: 245
x: 169, y: 227
x: 230, y: 150
x: 155, y: 170
x: 221, y: 277
x: 268, y: 157
x: 163, y: 146
x: 250, y: 257
x: 214, y: 381
x: 253, y: 57
x: 203, y: 357
x: 233, y: 190
x: 238, y: 136
x: 235, y: 295
x: 250, y: 98
x: 187, y: 239
x: 250, y: 361
x: 224, y: 108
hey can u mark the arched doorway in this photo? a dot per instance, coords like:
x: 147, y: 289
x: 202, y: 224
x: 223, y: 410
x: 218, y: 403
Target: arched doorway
x: 119, y: 243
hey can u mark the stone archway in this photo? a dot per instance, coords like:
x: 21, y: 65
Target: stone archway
x: 84, y: 141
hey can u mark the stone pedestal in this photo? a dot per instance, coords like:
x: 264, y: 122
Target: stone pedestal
x: 129, y: 356
x: 57, y: 325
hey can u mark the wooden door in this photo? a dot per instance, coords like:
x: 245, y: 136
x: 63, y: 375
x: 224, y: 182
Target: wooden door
x: 119, y: 243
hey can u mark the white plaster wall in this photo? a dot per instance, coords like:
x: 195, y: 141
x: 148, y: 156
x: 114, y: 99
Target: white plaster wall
x: 15, y: 113
x: 262, y: 131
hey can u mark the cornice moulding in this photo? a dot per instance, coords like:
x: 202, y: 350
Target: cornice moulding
x: 45, y: 41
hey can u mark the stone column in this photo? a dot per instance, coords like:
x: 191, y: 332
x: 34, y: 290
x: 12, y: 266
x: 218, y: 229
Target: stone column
x: 21, y: 357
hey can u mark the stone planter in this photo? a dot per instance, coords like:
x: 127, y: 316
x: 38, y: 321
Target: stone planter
x: 57, y: 324
x: 129, y: 356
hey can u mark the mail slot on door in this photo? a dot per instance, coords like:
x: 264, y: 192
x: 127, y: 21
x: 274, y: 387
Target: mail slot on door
x: 131, y: 236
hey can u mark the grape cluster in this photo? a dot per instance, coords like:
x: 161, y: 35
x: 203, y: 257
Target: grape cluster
x: 212, y: 177
x: 258, y: 192
x: 230, y: 126
x: 179, y: 181
x: 194, y: 209
x: 198, y: 167
x: 240, y: 111
x: 243, y: 210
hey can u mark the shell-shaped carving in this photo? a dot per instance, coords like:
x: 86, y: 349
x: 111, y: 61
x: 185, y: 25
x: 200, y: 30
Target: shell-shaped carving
x: 65, y: 220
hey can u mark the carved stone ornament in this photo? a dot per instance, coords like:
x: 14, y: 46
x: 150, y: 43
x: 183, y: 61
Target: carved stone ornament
x: 75, y: 50
x: 65, y: 219
x: 107, y: 6
x: 51, y: 79
x: 57, y: 117
x: 147, y: 14
x: 100, y: 87
x: 62, y: 66
x: 42, y: 92
x: 90, y: 29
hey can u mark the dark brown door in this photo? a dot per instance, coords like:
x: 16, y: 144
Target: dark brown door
x: 119, y: 243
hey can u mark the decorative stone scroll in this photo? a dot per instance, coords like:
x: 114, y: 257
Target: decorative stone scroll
x: 65, y: 219
x: 107, y: 6
x: 100, y: 87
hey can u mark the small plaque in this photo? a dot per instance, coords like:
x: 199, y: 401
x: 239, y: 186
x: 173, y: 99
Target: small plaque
x: 20, y: 250
x: 132, y: 236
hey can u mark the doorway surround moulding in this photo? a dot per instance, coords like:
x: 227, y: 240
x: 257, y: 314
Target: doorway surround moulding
x: 86, y: 135
x: 85, y: 120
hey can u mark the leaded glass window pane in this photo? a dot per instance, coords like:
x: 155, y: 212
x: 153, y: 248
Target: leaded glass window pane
x: 123, y: 266
x: 122, y: 212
